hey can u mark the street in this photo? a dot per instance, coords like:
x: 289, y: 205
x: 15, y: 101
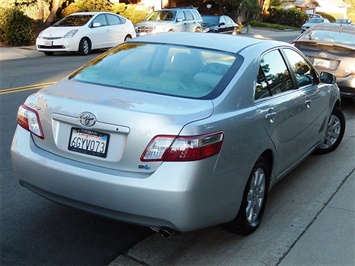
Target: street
x: 35, y: 231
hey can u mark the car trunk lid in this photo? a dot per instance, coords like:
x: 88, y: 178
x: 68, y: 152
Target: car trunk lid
x: 117, y: 124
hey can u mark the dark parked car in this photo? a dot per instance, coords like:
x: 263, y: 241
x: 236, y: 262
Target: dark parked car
x: 177, y: 131
x: 331, y: 47
x: 219, y: 24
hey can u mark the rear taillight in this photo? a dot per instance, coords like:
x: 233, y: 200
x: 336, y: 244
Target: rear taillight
x: 29, y: 120
x: 183, y: 148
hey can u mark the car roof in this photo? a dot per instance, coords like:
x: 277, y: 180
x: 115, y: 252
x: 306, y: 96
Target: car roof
x: 91, y: 13
x: 222, y: 42
x: 334, y: 27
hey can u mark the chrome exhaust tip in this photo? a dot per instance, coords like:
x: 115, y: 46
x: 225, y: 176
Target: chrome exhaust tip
x: 164, y: 231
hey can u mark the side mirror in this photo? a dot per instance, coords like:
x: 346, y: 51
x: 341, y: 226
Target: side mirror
x: 96, y: 25
x: 221, y: 24
x: 327, y: 77
x: 179, y: 19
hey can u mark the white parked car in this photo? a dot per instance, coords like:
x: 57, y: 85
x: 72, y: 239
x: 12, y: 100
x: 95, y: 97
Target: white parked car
x: 85, y: 31
x: 312, y: 22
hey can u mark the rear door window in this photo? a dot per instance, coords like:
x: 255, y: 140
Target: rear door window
x: 304, y: 73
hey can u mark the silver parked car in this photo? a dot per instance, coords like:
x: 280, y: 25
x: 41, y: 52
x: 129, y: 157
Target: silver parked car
x: 177, y: 131
x: 312, y: 22
x: 170, y: 20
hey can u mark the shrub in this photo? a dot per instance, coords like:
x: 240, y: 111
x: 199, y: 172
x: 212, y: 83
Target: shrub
x: 134, y: 14
x: 15, y: 27
x: 289, y: 17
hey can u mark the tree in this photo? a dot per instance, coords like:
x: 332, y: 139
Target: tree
x: 40, y: 10
x: 53, y: 11
x: 230, y: 7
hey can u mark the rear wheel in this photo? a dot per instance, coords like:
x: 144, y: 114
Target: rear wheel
x: 84, y: 46
x: 334, y: 132
x: 254, y: 200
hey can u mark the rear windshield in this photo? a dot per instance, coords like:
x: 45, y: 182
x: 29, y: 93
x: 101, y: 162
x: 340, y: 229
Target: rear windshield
x: 339, y: 37
x: 74, y: 20
x: 159, y: 68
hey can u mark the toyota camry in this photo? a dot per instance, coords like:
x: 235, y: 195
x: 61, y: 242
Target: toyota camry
x: 177, y: 131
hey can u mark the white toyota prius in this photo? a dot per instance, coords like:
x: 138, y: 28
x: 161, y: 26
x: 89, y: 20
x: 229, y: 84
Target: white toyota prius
x: 85, y: 31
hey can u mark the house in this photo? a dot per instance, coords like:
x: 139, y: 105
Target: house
x: 150, y: 4
x: 325, y: 6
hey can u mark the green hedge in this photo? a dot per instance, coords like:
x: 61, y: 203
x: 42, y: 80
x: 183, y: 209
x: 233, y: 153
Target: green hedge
x: 15, y: 27
x: 287, y: 17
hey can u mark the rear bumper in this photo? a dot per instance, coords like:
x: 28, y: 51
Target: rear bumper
x: 183, y: 198
x: 347, y: 86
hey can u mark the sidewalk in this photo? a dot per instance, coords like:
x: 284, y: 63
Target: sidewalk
x: 7, y: 53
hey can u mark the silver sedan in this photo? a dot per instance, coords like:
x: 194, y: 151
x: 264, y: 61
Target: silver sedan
x: 177, y: 131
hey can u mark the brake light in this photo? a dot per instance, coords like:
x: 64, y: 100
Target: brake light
x: 29, y: 120
x: 183, y: 148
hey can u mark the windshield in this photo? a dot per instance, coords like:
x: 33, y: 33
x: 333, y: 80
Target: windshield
x: 338, y: 37
x: 211, y: 20
x: 162, y: 16
x: 315, y: 20
x: 342, y: 21
x: 159, y: 68
x: 74, y: 20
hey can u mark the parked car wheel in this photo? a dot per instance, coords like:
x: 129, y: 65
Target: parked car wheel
x: 84, y: 46
x: 127, y: 38
x: 254, y: 200
x: 334, y: 133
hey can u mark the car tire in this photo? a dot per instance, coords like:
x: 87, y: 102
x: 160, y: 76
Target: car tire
x: 84, y: 46
x: 334, y: 132
x: 127, y: 38
x: 48, y: 53
x: 254, y: 200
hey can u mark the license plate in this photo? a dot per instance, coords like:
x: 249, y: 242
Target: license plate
x: 48, y: 43
x: 88, y: 142
x: 321, y: 63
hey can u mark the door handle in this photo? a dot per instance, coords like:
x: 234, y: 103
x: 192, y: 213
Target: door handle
x: 308, y: 103
x: 271, y: 115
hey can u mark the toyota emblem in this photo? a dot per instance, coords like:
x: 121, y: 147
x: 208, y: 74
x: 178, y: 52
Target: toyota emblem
x: 87, y: 119
x: 324, y: 55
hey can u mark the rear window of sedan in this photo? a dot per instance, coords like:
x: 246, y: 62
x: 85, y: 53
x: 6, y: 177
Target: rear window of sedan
x: 340, y: 36
x: 160, y: 68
